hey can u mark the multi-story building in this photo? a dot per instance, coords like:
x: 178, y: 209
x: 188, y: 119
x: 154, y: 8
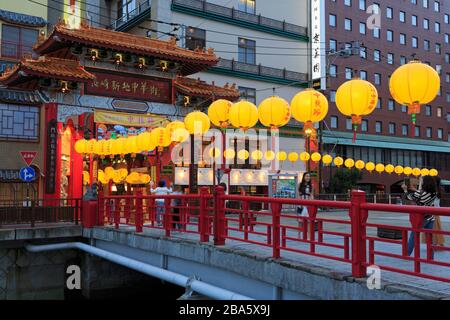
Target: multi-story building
x: 262, y: 45
x: 21, y: 112
x: 409, y: 29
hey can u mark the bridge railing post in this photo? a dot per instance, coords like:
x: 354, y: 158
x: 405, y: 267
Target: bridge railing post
x: 167, y: 217
x: 203, y: 215
x: 219, y: 219
x: 139, y: 212
x: 276, y: 212
x: 358, y: 218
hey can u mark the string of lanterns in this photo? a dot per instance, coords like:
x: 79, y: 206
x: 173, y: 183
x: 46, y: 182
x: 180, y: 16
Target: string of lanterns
x: 118, y: 176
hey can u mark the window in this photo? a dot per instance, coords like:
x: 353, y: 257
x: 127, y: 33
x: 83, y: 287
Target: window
x: 363, y: 52
x: 19, y: 122
x: 333, y: 45
x: 376, y: 32
x: 332, y: 20
x: 377, y: 78
x: 438, y: 48
x: 364, y: 125
x: 425, y: 3
x: 348, y: 3
x: 333, y: 70
x: 390, y: 35
x: 348, y: 73
x: 248, y: 94
x: 414, y: 42
x: 248, y: 6
x: 379, y: 104
x: 439, y: 70
x: 417, y: 131
x: 401, y: 16
x: 447, y: 77
x: 402, y: 60
x: 404, y: 129
x: 362, y: 28
x: 247, y: 52
x: 390, y: 58
x: 414, y: 20
x: 391, y: 128
x: 195, y: 38
x: 436, y: 6
x: 378, y: 127
x: 426, y: 24
x: 125, y: 8
x: 437, y: 27
x: 334, y: 122
x: 428, y: 110
x: 391, y: 105
x: 446, y: 38
x: 348, y: 124
x: 402, y: 38
x: 389, y: 13
x: 404, y: 108
x: 440, y: 133
x: 426, y: 45
x: 439, y: 112
x: 17, y: 41
x: 446, y: 18
x: 333, y: 96
x: 376, y: 55
x: 447, y: 97
x: 362, y: 5
x: 363, y: 75
x: 348, y: 24
x: 429, y: 132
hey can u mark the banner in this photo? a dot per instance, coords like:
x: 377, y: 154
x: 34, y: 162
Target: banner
x: 129, y: 119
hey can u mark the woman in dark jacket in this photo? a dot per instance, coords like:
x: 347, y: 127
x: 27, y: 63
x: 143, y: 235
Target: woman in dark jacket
x: 425, y: 196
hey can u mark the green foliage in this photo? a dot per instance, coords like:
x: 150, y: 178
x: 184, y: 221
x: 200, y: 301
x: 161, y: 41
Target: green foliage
x: 344, y: 179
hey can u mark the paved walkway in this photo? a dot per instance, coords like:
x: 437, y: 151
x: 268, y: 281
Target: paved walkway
x: 438, y: 287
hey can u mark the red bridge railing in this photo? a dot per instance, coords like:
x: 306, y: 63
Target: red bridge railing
x: 272, y: 223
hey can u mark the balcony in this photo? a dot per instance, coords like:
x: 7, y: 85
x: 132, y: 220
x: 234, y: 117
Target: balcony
x: 259, y: 72
x: 232, y: 16
x: 133, y: 17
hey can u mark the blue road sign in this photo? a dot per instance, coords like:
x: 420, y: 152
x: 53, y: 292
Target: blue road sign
x: 27, y: 174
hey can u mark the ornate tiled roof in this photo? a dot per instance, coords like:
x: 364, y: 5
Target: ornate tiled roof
x: 20, y: 97
x: 199, y: 88
x: 23, y: 19
x: 63, y: 36
x: 51, y: 67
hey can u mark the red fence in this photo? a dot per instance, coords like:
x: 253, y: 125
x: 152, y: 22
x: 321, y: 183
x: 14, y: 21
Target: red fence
x: 272, y: 223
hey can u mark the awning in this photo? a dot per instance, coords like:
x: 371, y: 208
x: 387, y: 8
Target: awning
x: 366, y: 140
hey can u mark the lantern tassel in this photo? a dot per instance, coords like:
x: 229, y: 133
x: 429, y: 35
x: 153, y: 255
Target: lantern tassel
x: 355, y: 127
x: 413, y: 118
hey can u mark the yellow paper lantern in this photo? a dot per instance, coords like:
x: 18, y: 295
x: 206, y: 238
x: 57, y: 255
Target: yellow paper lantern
x: 360, y: 164
x: 91, y: 146
x: 416, y: 172
x: 338, y: 161
x: 99, y: 147
x: 349, y: 163
x: 243, y: 154
x: 160, y: 137
x: 243, y: 115
x: 293, y: 156
x: 424, y: 172
x: 269, y: 155
x: 274, y: 112
x: 327, y: 159
x: 309, y: 106
x: 414, y: 84
x: 315, y: 157
x: 80, y: 146
x: 407, y: 171
x: 219, y: 112
x: 145, y: 178
x: 257, y: 155
x: 177, y: 131
x: 304, y: 156
x: 143, y: 141
x: 379, y: 167
x: 281, y: 156
x: 197, y: 122
x: 356, y: 98
x: 101, y: 176
x: 229, y: 154
x: 109, y: 172
x: 121, y: 145
x: 389, y: 168
x: 123, y: 173
x: 107, y: 147
x: 433, y: 172
x: 114, y: 146
x: 398, y: 170
x: 370, y: 166
x: 131, y: 145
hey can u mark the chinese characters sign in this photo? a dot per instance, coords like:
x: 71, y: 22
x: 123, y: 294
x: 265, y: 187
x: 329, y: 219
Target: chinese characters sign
x: 317, y: 39
x: 128, y: 119
x: 50, y: 168
x: 111, y: 85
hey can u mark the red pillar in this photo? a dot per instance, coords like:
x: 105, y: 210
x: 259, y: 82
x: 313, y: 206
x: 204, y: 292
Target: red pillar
x: 51, y: 117
x: 358, y: 218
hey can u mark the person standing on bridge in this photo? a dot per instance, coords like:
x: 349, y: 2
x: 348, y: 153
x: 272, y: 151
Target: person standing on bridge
x: 425, y: 196
x: 160, y: 190
x: 438, y: 239
x: 305, y: 191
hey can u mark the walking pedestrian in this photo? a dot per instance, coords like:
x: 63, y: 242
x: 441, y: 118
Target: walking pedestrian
x: 424, y: 196
x: 438, y: 239
x: 160, y: 190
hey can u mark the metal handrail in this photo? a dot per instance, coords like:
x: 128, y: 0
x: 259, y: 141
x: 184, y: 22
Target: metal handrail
x: 130, y: 15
